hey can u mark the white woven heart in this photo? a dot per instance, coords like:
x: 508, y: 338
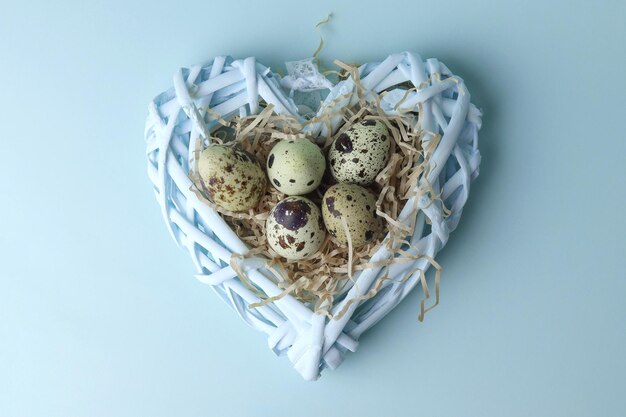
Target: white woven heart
x: 230, y: 88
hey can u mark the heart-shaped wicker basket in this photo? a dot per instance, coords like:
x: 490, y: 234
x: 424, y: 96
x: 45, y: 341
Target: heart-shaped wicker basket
x: 227, y: 88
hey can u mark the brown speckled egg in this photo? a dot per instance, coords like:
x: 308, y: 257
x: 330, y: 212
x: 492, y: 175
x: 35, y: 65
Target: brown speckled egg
x: 359, y: 154
x: 296, y: 166
x: 294, y: 228
x: 358, y: 206
x: 232, y: 178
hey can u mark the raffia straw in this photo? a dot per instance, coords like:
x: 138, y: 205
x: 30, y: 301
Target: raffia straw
x: 321, y: 44
x: 318, y: 279
x: 346, y: 230
x: 236, y: 266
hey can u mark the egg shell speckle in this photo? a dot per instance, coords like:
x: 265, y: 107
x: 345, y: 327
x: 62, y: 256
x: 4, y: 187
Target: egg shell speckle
x: 296, y: 166
x: 355, y: 204
x: 359, y: 154
x: 295, y: 228
x: 232, y: 178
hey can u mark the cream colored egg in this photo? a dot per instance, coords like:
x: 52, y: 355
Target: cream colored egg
x: 296, y: 166
x: 233, y: 179
x: 294, y: 228
x: 357, y: 206
x: 359, y: 154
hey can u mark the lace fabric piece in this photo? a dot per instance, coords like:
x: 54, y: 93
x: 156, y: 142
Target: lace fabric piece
x: 304, y: 76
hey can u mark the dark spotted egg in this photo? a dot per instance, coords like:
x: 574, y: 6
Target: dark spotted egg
x: 357, y: 206
x: 294, y: 228
x: 233, y: 179
x: 296, y: 166
x: 359, y: 154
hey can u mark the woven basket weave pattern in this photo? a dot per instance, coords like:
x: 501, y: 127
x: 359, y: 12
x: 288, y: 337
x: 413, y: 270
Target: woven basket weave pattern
x: 229, y: 88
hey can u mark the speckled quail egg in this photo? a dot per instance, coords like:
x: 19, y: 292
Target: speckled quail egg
x: 296, y: 166
x: 359, y: 154
x: 233, y: 179
x: 294, y: 228
x: 357, y: 206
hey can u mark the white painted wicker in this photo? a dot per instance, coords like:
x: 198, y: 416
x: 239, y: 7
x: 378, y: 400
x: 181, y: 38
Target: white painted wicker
x: 229, y: 88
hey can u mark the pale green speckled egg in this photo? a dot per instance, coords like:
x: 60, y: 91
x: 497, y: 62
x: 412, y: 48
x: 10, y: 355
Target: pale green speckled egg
x: 294, y: 228
x: 357, y: 206
x: 296, y: 166
x: 359, y: 154
x: 233, y: 179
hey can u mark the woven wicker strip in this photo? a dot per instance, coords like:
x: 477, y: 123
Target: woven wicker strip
x: 232, y: 88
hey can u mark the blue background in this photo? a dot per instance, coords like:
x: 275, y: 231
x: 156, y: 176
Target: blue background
x: 100, y: 314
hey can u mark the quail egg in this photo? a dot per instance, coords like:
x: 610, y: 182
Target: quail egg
x: 357, y: 206
x: 232, y: 178
x: 359, y: 154
x: 296, y: 166
x: 294, y: 228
